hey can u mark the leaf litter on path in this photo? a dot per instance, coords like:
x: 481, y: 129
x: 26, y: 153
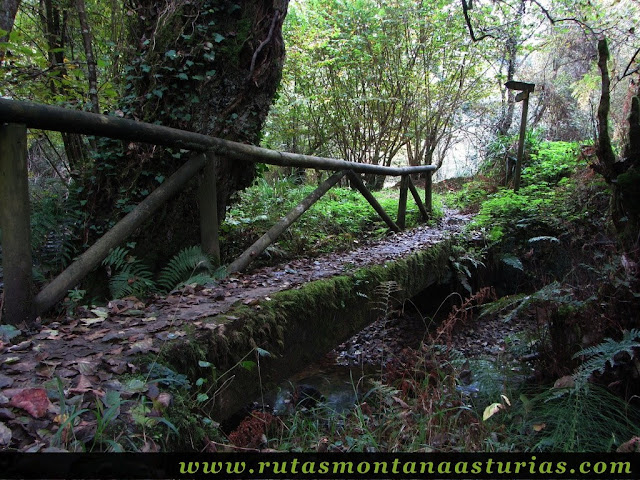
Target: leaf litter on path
x: 79, y: 359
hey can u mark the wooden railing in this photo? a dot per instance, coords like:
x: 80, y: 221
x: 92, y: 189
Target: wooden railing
x: 21, y: 305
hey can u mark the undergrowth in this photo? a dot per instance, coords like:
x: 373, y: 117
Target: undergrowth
x: 567, y: 382
x: 340, y: 220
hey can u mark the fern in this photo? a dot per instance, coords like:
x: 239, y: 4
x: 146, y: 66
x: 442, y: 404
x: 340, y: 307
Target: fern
x: 126, y: 284
x: 131, y: 276
x: 384, y: 301
x: 117, y: 258
x: 516, y: 303
x: 189, y: 263
x: 574, y: 420
x: 597, y: 356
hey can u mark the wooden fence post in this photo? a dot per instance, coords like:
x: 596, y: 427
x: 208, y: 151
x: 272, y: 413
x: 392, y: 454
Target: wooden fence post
x: 402, y: 202
x: 525, y: 89
x: 416, y: 197
x: 428, y: 192
x: 15, y: 223
x: 356, y: 182
x: 209, y: 239
x: 285, y: 222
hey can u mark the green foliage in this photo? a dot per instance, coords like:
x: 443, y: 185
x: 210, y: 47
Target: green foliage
x: 363, y: 79
x: 579, y: 419
x: 536, y: 208
x: 598, y: 356
x: 53, y: 218
x: 130, y: 276
x: 512, y: 305
x: 190, y: 265
x: 551, y: 162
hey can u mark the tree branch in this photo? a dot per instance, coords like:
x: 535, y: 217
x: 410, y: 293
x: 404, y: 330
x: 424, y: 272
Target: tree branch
x: 560, y: 20
x: 465, y: 11
x: 626, y: 70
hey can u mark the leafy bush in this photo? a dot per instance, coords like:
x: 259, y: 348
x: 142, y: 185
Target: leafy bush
x: 536, y: 209
x: 551, y: 162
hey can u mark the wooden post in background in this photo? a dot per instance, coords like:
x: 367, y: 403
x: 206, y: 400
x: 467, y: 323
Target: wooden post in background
x: 15, y: 223
x: 402, y: 202
x: 416, y: 197
x: 525, y: 89
x: 208, y: 198
x: 428, y: 192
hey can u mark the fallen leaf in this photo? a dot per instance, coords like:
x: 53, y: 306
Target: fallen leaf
x: 564, y: 382
x: 85, y: 385
x: 632, y: 445
x: 5, y: 381
x: 491, y: 410
x: 61, y: 418
x: 101, y: 312
x: 142, y: 346
x: 33, y: 400
x: 20, y: 347
x: 5, y: 435
x: 90, y: 321
x: 99, y: 334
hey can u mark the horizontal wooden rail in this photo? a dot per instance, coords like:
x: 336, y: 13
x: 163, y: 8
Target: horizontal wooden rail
x: 21, y: 306
x: 74, y: 121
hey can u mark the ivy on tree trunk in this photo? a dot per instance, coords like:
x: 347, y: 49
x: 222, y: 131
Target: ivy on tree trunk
x: 622, y: 174
x: 206, y: 66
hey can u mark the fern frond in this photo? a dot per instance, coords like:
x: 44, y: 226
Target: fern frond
x: 384, y: 297
x: 131, y: 276
x: 117, y: 258
x: 184, y: 265
x: 597, y: 356
x: 502, y: 304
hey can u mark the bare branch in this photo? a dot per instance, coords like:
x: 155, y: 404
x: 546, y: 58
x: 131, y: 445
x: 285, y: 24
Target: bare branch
x: 627, y: 72
x: 561, y: 20
x: 465, y: 11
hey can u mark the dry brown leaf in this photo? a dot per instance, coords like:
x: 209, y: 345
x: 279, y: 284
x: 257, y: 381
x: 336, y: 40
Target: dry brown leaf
x: 84, y: 385
x: 565, y: 382
x: 141, y: 346
x: 631, y: 446
x: 33, y: 400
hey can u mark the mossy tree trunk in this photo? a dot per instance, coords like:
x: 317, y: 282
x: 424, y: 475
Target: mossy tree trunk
x: 623, y: 173
x: 207, y: 66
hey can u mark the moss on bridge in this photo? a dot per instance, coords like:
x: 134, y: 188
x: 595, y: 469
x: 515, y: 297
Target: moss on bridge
x: 295, y: 327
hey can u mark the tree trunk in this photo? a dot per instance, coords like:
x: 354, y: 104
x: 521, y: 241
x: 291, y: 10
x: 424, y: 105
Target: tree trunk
x: 207, y: 66
x: 87, y: 42
x: 623, y: 175
x: 8, y: 12
x: 54, y: 22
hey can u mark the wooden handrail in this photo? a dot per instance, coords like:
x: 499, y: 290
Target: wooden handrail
x: 17, y: 259
x: 74, y: 121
